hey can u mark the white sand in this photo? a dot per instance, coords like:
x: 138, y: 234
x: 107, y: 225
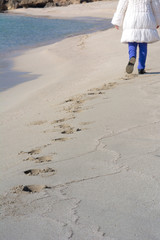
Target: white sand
x: 100, y: 9
x: 103, y: 141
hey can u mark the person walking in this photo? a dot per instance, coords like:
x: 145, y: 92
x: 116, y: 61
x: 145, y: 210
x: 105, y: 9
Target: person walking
x: 140, y: 20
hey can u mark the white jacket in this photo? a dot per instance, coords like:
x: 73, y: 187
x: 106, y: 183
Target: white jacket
x: 139, y: 18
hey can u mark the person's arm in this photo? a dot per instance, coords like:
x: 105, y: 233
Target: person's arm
x: 156, y: 11
x: 120, y: 13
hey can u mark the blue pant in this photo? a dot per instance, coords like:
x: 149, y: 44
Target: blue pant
x: 132, y: 47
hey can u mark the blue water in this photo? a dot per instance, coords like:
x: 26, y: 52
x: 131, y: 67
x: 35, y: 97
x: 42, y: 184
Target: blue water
x: 20, y: 33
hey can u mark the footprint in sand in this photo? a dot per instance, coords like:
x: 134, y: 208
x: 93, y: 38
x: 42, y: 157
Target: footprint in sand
x: 129, y: 76
x: 104, y: 87
x: 43, y: 172
x: 101, y: 90
x: 81, y: 44
x: 39, y: 159
x: 96, y: 93
x: 64, y: 128
x: 59, y: 139
x: 77, y: 100
x: 33, y: 151
x: 74, y: 108
x: 70, y: 130
x: 75, y: 104
x: 30, y: 188
x: 62, y: 120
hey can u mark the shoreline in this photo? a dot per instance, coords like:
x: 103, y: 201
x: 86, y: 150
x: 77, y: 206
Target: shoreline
x: 22, y: 62
x: 9, y: 56
x: 80, y: 148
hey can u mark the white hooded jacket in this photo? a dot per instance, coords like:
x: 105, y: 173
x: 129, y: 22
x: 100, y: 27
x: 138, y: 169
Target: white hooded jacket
x: 139, y: 19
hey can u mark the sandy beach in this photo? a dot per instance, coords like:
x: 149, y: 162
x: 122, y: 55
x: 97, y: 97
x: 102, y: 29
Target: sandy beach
x: 80, y: 144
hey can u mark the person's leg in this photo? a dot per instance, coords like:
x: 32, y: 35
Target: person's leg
x: 142, y: 56
x: 132, y: 50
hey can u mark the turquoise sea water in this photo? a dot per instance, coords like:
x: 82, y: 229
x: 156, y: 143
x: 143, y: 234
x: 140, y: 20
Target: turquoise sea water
x: 21, y: 33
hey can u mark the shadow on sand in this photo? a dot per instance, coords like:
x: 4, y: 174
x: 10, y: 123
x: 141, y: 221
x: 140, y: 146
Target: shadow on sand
x: 152, y: 73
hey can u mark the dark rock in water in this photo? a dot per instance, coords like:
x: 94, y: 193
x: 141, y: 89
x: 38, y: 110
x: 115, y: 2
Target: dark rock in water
x: 13, y: 4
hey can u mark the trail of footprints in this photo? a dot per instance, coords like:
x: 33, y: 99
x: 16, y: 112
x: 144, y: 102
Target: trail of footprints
x: 71, y: 106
